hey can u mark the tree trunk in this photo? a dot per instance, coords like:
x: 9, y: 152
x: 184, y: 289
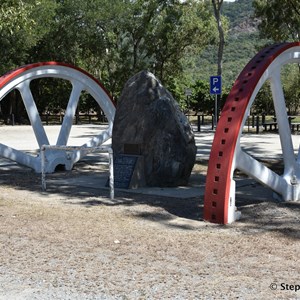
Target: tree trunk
x: 217, y: 4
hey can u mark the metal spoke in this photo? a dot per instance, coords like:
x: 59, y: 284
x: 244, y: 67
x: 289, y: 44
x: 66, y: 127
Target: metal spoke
x: 94, y: 142
x: 69, y: 114
x: 252, y: 167
x: 283, y: 122
x: 33, y: 113
x: 18, y: 156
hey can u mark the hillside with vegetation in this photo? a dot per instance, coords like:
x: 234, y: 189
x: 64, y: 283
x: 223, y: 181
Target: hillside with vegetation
x: 242, y: 43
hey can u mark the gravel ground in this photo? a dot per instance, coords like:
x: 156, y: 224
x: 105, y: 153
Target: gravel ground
x: 75, y: 243
x: 72, y: 243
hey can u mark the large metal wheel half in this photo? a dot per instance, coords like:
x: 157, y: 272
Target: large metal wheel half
x: 80, y: 80
x: 226, y: 153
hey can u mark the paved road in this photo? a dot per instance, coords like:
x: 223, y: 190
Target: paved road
x: 263, y: 145
x: 23, y: 138
x: 259, y: 145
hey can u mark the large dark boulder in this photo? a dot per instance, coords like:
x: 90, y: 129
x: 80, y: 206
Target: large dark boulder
x: 149, y: 122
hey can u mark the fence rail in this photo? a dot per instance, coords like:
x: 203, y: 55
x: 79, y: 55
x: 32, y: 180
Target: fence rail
x: 254, y: 123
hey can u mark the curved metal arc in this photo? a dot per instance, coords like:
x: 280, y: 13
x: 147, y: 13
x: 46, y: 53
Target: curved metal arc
x: 63, y: 71
x: 81, y: 80
x: 218, y: 198
x: 4, y: 79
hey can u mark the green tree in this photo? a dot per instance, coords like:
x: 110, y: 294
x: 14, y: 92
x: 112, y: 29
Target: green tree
x: 202, y: 100
x: 280, y: 19
x: 291, y: 87
x: 115, y: 39
x: 181, y: 28
x: 22, y: 24
x: 263, y: 103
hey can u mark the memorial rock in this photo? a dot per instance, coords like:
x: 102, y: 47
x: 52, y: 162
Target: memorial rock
x: 149, y: 123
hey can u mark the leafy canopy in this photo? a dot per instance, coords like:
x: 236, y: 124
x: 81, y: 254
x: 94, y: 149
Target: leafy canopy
x: 280, y: 19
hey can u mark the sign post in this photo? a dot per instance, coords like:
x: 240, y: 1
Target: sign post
x: 188, y: 93
x: 216, y: 89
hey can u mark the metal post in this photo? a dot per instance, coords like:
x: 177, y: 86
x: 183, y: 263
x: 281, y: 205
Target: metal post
x: 248, y: 122
x: 43, y: 149
x: 263, y: 118
x: 199, y: 124
x: 88, y: 150
x: 257, y: 124
x: 111, y: 175
x: 216, y: 110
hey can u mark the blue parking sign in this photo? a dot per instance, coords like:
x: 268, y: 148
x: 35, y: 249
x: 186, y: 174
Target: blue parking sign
x: 215, y: 85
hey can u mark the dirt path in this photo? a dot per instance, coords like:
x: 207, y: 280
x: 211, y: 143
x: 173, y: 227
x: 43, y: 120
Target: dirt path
x: 78, y: 244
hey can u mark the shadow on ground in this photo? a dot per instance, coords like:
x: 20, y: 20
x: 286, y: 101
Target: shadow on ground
x: 258, y: 215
